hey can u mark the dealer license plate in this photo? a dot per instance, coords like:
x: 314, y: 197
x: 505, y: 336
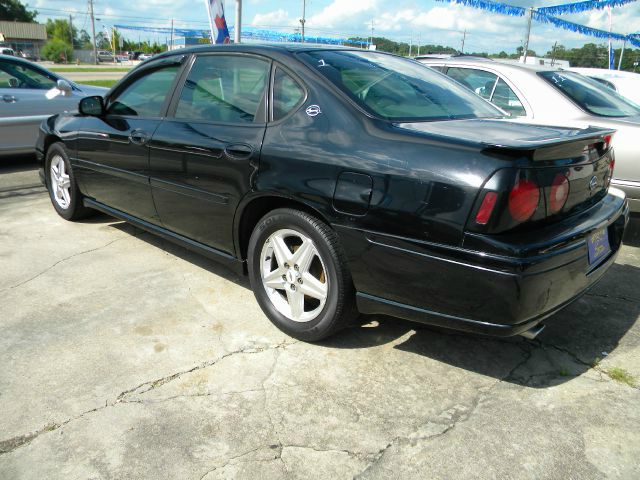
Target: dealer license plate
x: 598, y: 245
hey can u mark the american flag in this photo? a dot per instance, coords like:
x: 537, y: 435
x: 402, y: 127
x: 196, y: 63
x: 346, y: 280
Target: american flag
x: 219, y: 30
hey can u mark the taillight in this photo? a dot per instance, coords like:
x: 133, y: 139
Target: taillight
x: 558, y: 193
x: 607, y: 142
x: 486, y: 208
x: 523, y: 200
x: 612, y: 164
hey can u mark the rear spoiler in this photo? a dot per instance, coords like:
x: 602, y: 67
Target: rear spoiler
x: 565, y: 146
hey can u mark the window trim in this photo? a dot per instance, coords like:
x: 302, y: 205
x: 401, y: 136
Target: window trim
x: 173, y: 106
x: 137, y: 74
x: 38, y: 69
x: 298, y: 105
x: 525, y: 104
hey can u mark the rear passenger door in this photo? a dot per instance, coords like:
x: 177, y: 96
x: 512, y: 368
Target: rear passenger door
x: 205, y: 152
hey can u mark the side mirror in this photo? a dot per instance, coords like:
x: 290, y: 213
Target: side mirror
x: 92, y: 106
x: 64, y: 87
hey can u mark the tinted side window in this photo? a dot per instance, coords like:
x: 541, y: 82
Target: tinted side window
x: 287, y: 94
x: 224, y: 88
x: 477, y: 80
x: 16, y: 75
x: 146, y: 95
x: 507, y: 100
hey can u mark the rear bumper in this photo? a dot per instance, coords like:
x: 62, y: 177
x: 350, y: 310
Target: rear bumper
x: 472, y: 290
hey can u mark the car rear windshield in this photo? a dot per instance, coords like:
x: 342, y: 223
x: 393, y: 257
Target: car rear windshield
x: 398, y: 89
x: 590, y: 95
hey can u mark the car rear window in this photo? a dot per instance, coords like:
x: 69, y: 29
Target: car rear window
x: 590, y: 95
x: 397, y: 89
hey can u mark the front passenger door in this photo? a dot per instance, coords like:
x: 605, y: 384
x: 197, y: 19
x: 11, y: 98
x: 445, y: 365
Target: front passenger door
x: 113, y: 151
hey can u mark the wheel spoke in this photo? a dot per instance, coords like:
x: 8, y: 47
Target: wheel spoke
x: 274, y: 279
x: 281, y: 250
x: 296, y: 302
x: 304, y: 255
x: 313, y: 287
x: 65, y: 182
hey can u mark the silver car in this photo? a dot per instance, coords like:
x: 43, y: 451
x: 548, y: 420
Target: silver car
x: 28, y: 95
x: 552, y: 96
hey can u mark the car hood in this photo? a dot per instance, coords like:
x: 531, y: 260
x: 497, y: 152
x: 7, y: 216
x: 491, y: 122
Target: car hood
x: 498, y: 132
x: 90, y: 90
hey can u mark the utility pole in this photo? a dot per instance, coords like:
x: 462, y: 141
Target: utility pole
x: 410, y: 44
x: 303, y: 20
x: 371, y: 42
x: 464, y: 37
x: 171, y: 48
x: 526, y: 40
x: 419, y: 40
x: 71, y: 30
x: 624, y: 44
x: 93, y: 33
x: 237, y: 32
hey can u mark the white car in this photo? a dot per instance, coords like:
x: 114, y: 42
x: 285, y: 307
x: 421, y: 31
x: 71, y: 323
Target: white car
x: 626, y: 84
x: 552, y: 96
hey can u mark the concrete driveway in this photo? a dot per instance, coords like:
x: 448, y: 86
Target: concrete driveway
x: 123, y: 356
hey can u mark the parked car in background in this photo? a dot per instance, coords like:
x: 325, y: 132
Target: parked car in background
x: 626, y: 84
x: 7, y: 51
x: 106, y: 56
x: 345, y: 180
x: 551, y: 96
x: 145, y: 56
x: 29, y: 94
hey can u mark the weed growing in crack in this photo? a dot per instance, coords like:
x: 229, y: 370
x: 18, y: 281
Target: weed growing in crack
x: 621, y: 375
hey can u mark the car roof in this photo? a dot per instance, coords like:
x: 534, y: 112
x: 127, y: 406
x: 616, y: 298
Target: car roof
x: 496, y: 64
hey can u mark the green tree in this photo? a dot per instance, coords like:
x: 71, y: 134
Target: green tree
x: 14, y: 11
x: 57, y: 51
x: 59, y: 29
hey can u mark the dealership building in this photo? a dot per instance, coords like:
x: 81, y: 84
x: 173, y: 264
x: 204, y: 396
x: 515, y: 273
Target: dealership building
x: 23, y: 37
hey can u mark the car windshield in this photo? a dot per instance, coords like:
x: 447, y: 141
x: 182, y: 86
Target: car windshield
x: 398, y: 89
x: 590, y: 95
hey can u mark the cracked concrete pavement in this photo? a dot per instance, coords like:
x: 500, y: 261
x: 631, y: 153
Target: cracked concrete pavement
x: 124, y: 356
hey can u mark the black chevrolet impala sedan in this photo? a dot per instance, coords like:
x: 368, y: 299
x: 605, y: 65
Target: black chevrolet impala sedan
x: 345, y: 181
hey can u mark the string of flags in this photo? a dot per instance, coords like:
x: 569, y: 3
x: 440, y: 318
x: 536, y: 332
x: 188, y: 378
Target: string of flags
x: 544, y: 15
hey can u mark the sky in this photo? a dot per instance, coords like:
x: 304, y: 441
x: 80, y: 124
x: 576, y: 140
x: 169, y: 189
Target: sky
x: 424, y: 21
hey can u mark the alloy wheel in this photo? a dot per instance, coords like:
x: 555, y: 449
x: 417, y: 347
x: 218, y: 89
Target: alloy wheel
x: 294, y: 275
x: 60, y: 182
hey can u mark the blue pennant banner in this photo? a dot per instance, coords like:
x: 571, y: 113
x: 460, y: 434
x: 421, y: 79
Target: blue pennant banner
x: 490, y: 6
x: 249, y: 33
x: 582, y: 6
x: 575, y: 27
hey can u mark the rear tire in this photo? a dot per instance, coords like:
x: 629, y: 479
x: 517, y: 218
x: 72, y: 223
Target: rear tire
x: 61, y: 184
x: 299, y: 275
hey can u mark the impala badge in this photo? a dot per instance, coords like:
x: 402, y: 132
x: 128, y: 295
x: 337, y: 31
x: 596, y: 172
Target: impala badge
x: 313, y: 110
x: 593, y: 183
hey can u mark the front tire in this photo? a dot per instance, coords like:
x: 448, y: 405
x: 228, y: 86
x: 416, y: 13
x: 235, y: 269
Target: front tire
x: 299, y: 275
x: 61, y: 184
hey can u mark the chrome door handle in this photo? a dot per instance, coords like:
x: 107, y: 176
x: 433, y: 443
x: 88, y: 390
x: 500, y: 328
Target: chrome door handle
x: 9, y: 99
x: 139, y: 137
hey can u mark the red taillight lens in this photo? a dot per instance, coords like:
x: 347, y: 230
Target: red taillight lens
x: 607, y: 142
x: 523, y: 200
x: 485, y: 210
x: 559, y: 193
x: 612, y: 164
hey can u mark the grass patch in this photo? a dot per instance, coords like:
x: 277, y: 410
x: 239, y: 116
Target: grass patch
x: 88, y: 69
x: 98, y: 83
x: 622, y: 376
